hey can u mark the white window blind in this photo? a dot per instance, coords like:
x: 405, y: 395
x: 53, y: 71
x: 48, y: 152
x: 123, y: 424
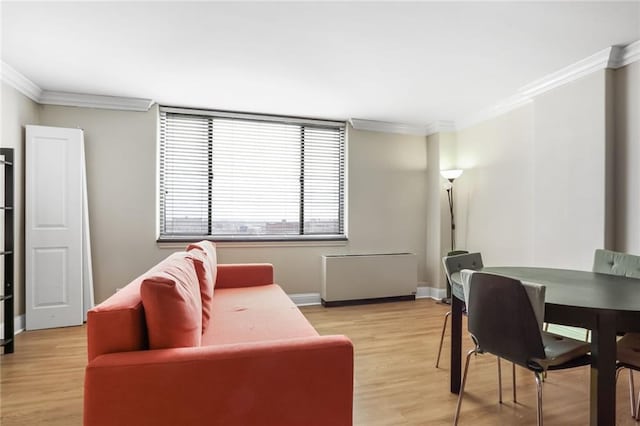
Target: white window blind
x: 230, y: 176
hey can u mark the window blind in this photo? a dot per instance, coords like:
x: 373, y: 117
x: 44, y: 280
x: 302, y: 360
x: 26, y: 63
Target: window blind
x: 229, y: 176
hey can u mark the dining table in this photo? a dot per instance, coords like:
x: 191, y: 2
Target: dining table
x: 605, y: 304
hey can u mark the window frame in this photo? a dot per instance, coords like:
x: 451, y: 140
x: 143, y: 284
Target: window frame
x: 294, y: 239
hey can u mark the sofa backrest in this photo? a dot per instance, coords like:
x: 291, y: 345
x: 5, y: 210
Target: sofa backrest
x: 118, y: 323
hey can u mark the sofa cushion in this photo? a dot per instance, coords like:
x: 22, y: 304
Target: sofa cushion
x: 207, y: 270
x: 172, y: 304
x: 209, y: 249
x: 252, y: 314
x: 206, y: 280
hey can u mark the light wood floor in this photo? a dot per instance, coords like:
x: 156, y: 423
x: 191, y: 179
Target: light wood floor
x: 395, y: 379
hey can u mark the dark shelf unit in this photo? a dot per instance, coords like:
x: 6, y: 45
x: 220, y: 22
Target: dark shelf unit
x: 6, y: 255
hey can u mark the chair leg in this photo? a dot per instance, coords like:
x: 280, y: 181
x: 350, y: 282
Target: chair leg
x: 632, y: 394
x: 513, y: 375
x: 499, y: 381
x: 444, y: 328
x: 587, y: 335
x: 464, y: 382
x: 539, y: 405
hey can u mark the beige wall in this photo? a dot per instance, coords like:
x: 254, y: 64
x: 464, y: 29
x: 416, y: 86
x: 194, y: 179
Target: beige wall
x: 434, y: 277
x: 441, y: 155
x: 627, y: 158
x: 120, y: 160
x: 386, y: 211
x: 513, y: 175
x: 17, y: 111
x: 448, y: 161
x: 386, y: 201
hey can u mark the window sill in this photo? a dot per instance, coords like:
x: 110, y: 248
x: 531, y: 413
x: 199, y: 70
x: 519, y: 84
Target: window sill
x: 238, y: 243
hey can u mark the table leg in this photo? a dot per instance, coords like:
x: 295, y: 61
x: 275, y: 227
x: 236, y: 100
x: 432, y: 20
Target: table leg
x: 603, y: 371
x: 456, y: 344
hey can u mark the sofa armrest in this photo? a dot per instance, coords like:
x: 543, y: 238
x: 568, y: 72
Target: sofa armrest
x: 286, y: 382
x: 244, y: 275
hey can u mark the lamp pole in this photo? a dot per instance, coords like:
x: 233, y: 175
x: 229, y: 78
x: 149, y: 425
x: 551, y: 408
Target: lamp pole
x: 451, y: 175
x: 453, y: 223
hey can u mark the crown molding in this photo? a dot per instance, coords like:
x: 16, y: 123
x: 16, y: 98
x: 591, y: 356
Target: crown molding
x: 15, y: 79
x: 611, y: 57
x: 631, y: 53
x: 95, y: 101
x: 605, y: 58
x: 19, y: 82
x: 388, y: 127
x: 440, y: 126
x: 431, y: 128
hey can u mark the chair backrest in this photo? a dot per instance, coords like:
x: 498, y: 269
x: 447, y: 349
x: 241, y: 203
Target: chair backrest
x: 502, y: 320
x: 457, y: 263
x: 535, y: 292
x: 616, y: 263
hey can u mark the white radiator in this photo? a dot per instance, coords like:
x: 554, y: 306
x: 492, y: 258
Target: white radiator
x: 349, y: 279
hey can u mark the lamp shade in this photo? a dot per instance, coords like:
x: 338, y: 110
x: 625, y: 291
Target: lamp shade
x: 451, y: 174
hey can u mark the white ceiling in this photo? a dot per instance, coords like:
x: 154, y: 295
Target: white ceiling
x: 398, y: 62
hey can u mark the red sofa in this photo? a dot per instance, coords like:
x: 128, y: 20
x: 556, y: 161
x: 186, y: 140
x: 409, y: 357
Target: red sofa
x: 259, y: 361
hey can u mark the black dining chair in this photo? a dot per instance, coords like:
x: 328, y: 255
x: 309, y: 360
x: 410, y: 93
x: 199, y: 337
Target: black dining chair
x: 491, y: 299
x: 616, y: 263
x: 626, y: 265
x: 453, y: 263
x: 456, y: 261
x: 629, y: 357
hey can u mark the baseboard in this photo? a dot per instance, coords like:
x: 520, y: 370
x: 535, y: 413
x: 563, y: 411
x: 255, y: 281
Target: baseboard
x: 305, y: 299
x: 310, y: 299
x: 334, y: 303
x: 18, y: 326
x: 431, y: 292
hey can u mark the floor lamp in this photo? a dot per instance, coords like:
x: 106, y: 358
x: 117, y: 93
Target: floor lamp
x: 451, y: 175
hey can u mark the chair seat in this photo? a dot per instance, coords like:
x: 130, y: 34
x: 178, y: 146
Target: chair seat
x: 629, y: 350
x: 559, y: 350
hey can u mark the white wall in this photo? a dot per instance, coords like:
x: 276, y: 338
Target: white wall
x: 627, y: 158
x: 386, y: 204
x: 538, y: 182
x: 17, y: 111
x: 494, y: 205
x: 569, y: 173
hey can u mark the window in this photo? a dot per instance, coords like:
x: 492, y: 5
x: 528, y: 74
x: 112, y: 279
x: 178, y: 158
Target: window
x: 230, y: 176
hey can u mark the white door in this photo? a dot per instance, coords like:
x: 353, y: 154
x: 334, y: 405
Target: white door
x: 53, y: 227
